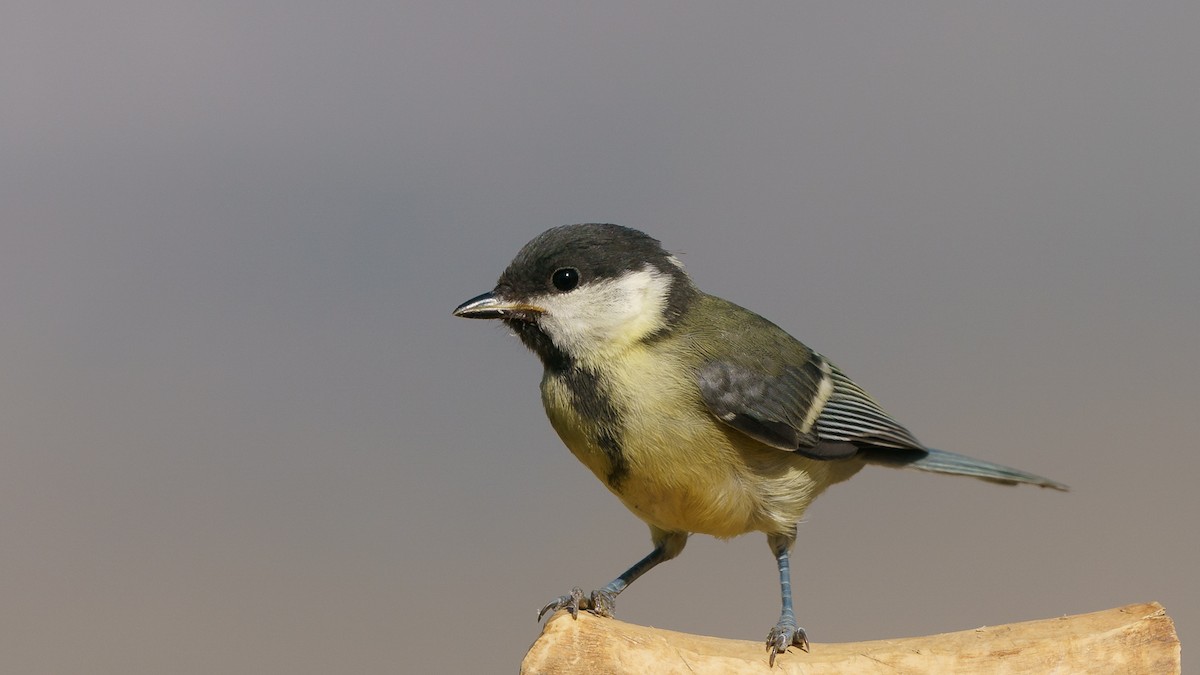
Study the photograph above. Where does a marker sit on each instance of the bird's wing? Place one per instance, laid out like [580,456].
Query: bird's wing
[851,415]
[810,408]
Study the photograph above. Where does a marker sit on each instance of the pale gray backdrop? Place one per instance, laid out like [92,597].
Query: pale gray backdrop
[240,431]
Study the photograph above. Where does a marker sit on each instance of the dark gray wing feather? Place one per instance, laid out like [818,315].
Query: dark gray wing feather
[851,415]
[769,409]
[811,408]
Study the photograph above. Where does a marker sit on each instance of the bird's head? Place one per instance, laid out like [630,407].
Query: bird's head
[584,293]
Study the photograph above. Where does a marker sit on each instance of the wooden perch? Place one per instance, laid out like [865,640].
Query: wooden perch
[1133,639]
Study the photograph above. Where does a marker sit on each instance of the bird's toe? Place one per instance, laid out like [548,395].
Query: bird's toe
[785,634]
[570,602]
[600,603]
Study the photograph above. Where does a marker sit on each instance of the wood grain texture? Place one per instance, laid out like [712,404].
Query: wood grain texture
[1136,638]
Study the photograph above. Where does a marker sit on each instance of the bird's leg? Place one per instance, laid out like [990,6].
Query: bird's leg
[785,633]
[667,545]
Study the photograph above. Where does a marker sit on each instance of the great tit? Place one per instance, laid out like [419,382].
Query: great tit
[699,415]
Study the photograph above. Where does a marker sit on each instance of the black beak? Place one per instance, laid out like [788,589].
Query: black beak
[488,306]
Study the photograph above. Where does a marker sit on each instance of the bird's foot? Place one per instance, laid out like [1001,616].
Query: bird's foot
[785,634]
[600,603]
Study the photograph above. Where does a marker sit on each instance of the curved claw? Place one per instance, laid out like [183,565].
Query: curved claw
[784,635]
[570,602]
[600,603]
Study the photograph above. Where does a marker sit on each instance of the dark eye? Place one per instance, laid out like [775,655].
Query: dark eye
[565,279]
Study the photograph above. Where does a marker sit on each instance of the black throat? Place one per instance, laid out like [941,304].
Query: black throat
[590,396]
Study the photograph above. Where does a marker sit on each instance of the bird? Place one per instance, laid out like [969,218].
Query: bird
[701,416]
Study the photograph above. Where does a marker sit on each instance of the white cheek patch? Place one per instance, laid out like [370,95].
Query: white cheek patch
[603,317]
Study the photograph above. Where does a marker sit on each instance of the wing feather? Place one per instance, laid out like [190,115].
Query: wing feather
[851,415]
[812,408]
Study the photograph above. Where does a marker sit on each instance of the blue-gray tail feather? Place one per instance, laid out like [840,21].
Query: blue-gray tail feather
[941,461]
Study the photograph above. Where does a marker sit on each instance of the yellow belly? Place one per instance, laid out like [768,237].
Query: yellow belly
[721,483]
[687,471]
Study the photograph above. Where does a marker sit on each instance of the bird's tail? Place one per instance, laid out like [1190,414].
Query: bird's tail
[941,461]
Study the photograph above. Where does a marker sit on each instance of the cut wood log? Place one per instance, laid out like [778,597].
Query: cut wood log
[1137,638]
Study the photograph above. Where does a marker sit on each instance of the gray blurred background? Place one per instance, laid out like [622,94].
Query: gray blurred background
[240,431]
